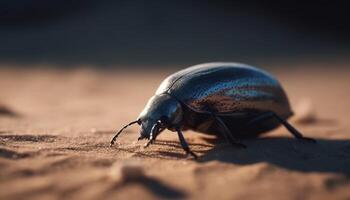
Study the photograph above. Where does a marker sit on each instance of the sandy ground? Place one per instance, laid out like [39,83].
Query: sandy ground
[55,128]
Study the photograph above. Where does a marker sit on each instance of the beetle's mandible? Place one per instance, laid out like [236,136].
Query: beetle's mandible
[232,100]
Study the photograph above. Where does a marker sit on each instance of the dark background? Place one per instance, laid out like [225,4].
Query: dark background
[155,33]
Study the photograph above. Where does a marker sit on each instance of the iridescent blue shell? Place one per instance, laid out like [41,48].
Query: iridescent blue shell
[227,88]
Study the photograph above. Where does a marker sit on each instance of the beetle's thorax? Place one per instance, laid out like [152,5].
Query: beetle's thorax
[162,108]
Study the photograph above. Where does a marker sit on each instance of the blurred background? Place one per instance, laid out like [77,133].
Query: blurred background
[159,33]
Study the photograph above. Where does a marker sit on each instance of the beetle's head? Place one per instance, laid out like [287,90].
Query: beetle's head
[161,111]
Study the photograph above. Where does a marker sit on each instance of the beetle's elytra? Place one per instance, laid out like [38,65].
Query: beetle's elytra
[228,99]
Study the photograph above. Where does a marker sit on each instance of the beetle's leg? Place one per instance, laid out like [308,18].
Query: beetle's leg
[293,130]
[288,126]
[153,134]
[227,133]
[184,144]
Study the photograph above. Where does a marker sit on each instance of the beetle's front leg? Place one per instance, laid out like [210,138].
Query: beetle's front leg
[184,144]
[153,134]
[156,130]
[150,141]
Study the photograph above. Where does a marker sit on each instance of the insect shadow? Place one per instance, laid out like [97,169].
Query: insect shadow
[154,185]
[324,156]
[4,111]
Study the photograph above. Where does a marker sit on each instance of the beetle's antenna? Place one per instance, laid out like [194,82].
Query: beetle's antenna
[121,130]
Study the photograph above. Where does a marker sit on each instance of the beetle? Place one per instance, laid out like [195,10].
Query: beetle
[232,100]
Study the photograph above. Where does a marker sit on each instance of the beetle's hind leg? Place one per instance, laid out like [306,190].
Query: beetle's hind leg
[284,122]
[293,130]
[227,133]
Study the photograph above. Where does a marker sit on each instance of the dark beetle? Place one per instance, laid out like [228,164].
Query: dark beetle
[231,99]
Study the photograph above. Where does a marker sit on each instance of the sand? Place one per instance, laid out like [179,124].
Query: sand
[55,128]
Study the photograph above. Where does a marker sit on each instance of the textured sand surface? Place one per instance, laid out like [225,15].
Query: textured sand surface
[55,128]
